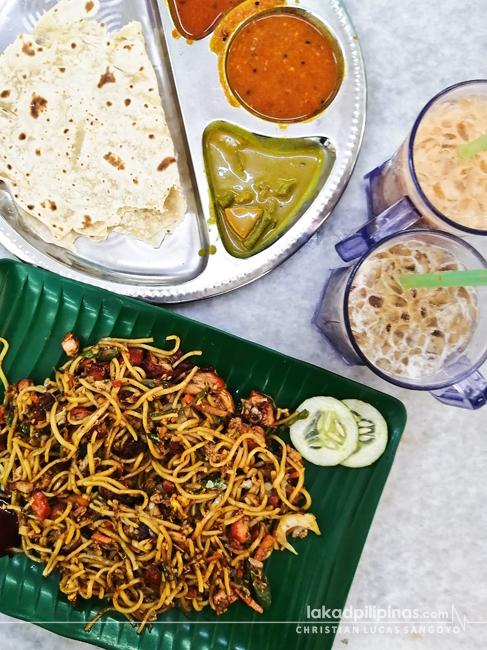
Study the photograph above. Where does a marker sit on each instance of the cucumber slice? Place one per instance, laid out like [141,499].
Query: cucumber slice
[328,435]
[372,434]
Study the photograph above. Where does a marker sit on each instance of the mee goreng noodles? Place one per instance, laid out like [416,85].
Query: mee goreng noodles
[135,475]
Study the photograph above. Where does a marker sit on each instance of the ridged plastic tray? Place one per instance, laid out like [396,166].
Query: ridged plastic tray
[36,310]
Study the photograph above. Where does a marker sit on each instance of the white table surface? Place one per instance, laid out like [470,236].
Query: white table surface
[427,548]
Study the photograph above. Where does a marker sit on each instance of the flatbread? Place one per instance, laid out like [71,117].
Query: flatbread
[84,144]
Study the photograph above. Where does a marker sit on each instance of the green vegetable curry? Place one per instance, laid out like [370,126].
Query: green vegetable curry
[260,186]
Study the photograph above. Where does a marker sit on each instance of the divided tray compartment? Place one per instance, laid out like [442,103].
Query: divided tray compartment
[193,97]
[36,310]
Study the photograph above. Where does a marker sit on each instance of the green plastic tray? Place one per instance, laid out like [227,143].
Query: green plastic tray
[36,309]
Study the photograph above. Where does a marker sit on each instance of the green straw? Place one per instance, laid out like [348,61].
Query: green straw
[447,279]
[472,148]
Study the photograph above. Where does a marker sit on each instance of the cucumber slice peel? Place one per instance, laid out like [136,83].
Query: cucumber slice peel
[373,435]
[328,435]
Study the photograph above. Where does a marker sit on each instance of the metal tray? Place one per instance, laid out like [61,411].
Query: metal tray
[192,98]
[36,310]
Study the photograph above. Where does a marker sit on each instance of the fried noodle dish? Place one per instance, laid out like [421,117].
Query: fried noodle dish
[134,475]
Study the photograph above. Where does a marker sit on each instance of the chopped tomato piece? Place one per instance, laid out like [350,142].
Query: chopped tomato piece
[265,548]
[40,505]
[99,371]
[239,530]
[117,383]
[80,413]
[136,356]
[152,367]
[187,399]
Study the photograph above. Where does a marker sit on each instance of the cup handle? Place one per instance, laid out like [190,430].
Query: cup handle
[398,217]
[470,393]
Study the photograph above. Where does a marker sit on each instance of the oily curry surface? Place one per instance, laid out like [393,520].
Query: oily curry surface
[196,18]
[283,67]
[260,185]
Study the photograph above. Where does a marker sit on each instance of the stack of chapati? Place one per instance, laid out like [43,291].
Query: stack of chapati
[84,144]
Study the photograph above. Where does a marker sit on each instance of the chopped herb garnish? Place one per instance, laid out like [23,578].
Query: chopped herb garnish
[10,419]
[149,383]
[89,353]
[25,428]
[154,436]
[302,415]
[203,393]
[107,354]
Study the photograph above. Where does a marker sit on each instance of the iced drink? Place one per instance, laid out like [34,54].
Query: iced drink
[410,333]
[456,187]
[439,182]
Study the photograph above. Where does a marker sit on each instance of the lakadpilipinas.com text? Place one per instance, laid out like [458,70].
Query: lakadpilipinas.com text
[379,620]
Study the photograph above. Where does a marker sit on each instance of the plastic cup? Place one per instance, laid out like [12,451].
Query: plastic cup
[458,382]
[395,198]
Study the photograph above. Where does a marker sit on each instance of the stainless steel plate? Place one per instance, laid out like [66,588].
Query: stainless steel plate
[193,98]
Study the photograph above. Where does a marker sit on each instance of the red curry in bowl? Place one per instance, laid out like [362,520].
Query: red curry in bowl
[195,19]
[284,67]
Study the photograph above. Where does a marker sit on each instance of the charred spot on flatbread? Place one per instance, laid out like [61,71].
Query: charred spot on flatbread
[31,207]
[128,102]
[89,6]
[22,136]
[165,163]
[114,160]
[87,221]
[28,49]
[4,94]
[38,152]
[38,105]
[52,205]
[62,69]
[106,78]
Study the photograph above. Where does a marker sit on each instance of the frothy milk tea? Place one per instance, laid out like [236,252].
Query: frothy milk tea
[410,333]
[456,187]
